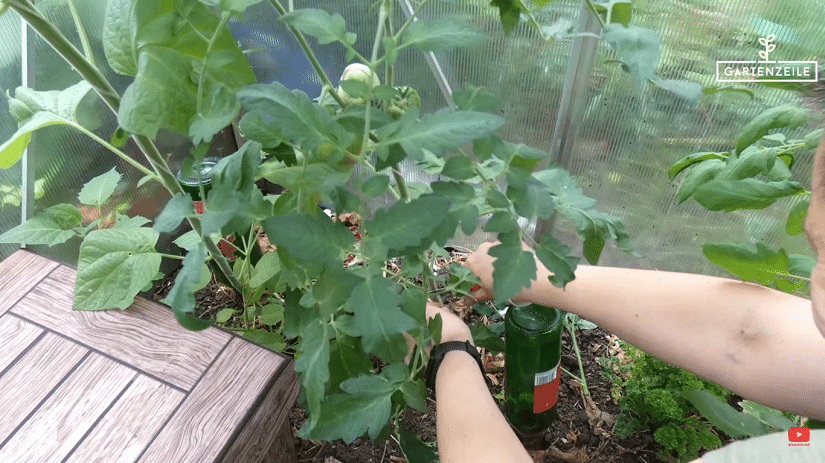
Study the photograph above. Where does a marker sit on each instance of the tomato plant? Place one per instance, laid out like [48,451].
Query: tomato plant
[191,77]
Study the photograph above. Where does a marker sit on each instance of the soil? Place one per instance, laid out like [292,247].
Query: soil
[581,432]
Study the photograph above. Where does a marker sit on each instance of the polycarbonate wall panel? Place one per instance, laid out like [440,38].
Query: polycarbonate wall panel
[10,75]
[628,139]
[63,159]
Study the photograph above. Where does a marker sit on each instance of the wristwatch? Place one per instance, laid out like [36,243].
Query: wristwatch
[440,350]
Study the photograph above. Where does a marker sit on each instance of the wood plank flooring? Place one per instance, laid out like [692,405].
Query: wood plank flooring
[129,386]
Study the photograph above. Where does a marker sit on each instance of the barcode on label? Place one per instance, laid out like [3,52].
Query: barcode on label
[545,377]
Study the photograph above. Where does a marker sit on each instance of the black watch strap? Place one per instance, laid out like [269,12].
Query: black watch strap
[440,350]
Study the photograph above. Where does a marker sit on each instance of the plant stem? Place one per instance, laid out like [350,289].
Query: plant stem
[109,95]
[302,41]
[225,15]
[81,31]
[572,330]
[595,13]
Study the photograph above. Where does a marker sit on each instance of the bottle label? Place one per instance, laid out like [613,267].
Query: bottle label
[546,389]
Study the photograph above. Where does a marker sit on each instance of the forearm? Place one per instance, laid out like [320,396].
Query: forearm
[755,341]
[469,424]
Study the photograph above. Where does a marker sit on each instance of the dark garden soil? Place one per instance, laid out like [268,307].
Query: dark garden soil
[581,432]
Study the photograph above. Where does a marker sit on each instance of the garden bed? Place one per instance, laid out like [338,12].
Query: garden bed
[582,431]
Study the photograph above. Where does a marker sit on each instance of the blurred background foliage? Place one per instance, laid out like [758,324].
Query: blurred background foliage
[622,146]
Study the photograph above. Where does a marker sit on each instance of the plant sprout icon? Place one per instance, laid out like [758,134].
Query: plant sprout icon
[769,47]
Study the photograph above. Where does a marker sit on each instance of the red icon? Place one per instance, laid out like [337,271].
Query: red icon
[799,434]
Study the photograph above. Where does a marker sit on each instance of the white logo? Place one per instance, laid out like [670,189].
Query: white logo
[767,70]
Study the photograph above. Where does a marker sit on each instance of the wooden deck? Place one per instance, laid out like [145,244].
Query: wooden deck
[129,386]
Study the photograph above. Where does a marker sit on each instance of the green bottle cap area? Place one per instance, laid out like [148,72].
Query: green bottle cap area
[535,318]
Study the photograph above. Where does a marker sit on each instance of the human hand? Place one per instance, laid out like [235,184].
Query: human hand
[481,264]
[452,329]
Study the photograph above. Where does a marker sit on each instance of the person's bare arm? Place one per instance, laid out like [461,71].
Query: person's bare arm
[815,231]
[760,343]
[470,428]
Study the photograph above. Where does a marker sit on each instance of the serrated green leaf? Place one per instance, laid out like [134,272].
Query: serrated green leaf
[53,226]
[97,190]
[414,449]
[174,62]
[181,298]
[46,108]
[620,12]
[415,395]
[761,266]
[472,98]
[437,132]
[378,318]
[748,193]
[224,315]
[144,110]
[354,88]
[483,337]
[267,268]
[528,195]
[333,288]
[375,186]
[724,417]
[789,115]
[408,225]
[458,167]
[469,219]
[637,48]
[290,115]
[323,26]
[513,268]
[573,204]
[218,109]
[509,12]
[175,210]
[770,416]
[686,90]
[124,221]
[349,417]
[496,198]
[555,257]
[114,265]
[693,159]
[501,222]
[266,338]
[272,313]
[117,37]
[309,238]
[796,218]
[189,240]
[347,359]
[442,35]
[312,365]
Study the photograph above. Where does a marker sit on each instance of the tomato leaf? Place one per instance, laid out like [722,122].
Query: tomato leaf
[442,35]
[114,265]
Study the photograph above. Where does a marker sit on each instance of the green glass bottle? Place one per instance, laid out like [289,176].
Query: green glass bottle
[193,183]
[533,352]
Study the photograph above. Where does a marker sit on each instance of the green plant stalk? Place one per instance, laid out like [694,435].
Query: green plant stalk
[302,41]
[109,95]
[209,44]
[582,379]
[81,31]
[596,13]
